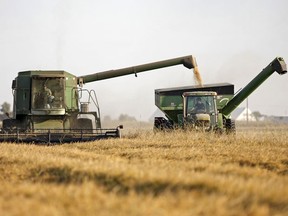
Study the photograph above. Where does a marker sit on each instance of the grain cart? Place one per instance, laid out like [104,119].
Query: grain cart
[207,107]
[51,106]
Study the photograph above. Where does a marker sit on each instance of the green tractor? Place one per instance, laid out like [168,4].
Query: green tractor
[207,107]
[53,106]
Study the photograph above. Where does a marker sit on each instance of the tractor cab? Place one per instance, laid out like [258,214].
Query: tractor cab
[200,110]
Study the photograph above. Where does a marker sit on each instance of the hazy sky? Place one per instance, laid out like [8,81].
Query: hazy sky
[231,40]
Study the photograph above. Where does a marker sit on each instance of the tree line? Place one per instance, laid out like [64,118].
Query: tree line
[5,108]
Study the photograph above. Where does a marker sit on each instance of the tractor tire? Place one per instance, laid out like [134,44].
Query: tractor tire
[162,124]
[230,126]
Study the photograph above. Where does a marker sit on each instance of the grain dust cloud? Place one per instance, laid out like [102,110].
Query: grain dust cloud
[197,75]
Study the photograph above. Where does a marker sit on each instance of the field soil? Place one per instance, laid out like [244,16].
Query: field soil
[147,173]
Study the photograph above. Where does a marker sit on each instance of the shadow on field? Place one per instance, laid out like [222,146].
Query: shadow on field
[115,183]
[270,166]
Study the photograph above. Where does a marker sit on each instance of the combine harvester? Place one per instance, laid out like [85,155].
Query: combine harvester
[207,107]
[51,106]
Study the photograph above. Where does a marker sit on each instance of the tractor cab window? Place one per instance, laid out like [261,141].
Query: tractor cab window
[200,104]
[47,93]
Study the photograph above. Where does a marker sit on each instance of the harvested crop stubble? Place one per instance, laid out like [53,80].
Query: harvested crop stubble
[149,174]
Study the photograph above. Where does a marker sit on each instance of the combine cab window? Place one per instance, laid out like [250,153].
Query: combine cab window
[47,93]
[201,104]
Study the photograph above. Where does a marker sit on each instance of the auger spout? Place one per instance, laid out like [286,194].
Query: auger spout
[277,65]
[188,61]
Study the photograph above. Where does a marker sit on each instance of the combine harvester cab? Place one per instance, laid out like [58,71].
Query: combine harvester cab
[51,106]
[207,107]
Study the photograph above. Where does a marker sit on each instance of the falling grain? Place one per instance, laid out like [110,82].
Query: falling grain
[197,75]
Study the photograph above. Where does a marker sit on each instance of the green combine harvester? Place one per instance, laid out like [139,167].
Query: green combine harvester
[207,107]
[53,106]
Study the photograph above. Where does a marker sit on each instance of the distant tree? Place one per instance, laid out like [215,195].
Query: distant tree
[257,115]
[125,117]
[5,107]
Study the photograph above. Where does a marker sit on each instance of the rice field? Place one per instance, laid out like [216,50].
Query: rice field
[150,174]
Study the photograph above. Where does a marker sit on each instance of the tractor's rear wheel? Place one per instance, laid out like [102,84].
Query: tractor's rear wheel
[230,126]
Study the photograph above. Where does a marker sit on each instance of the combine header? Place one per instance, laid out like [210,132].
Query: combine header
[53,107]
